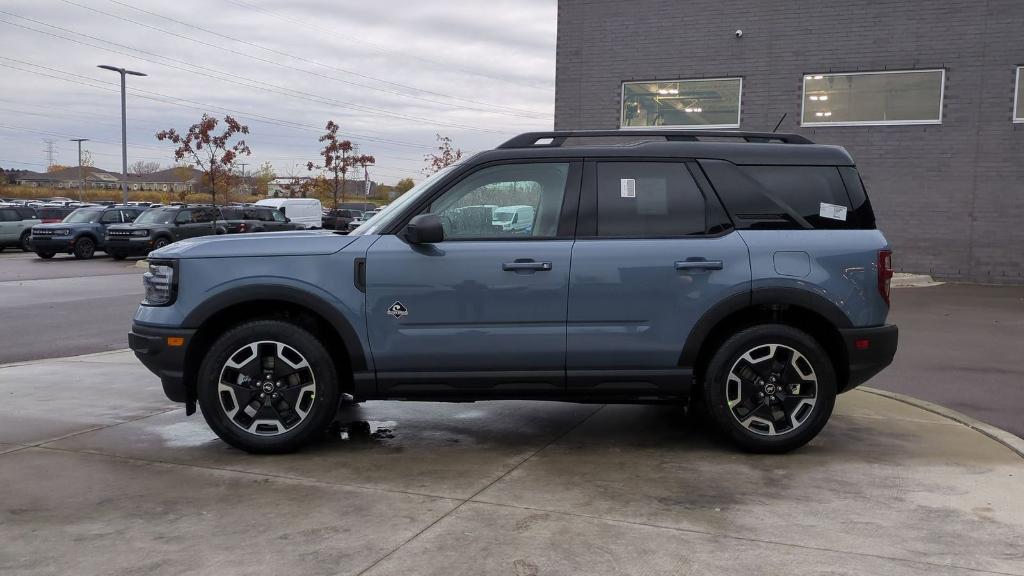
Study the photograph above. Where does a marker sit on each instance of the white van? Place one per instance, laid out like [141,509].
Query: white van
[513,218]
[306,212]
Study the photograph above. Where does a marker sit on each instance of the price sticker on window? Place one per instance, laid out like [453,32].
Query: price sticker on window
[627,187]
[832,211]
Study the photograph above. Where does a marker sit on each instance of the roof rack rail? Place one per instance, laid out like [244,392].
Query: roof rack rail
[557,138]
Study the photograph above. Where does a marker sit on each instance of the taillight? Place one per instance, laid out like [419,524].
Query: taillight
[884,274]
[241,227]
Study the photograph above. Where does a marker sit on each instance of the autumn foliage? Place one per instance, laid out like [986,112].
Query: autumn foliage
[212,153]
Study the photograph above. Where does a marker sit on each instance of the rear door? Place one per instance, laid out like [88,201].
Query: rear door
[484,310]
[9,225]
[653,253]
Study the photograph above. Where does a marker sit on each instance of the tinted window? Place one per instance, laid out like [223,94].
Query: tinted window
[131,215]
[468,209]
[648,199]
[9,215]
[811,191]
[185,217]
[111,216]
[278,217]
[265,215]
[205,215]
[232,213]
[26,213]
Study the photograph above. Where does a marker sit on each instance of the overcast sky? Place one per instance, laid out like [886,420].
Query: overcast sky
[391,73]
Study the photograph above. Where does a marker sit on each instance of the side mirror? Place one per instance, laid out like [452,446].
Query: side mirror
[424,229]
[287,219]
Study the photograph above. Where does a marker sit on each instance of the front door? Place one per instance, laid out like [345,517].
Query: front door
[652,255]
[483,311]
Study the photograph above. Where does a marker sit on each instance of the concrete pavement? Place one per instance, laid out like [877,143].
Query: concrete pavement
[101,475]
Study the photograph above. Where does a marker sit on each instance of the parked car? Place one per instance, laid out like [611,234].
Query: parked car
[240,219]
[339,219]
[158,227]
[304,212]
[745,275]
[358,220]
[81,233]
[16,223]
[52,214]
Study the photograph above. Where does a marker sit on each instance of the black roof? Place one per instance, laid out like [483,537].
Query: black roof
[750,148]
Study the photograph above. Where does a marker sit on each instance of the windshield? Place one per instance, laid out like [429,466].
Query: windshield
[157,216]
[83,215]
[374,222]
[502,216]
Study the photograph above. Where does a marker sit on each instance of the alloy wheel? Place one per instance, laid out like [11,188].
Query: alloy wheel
[771,389]
[266,388]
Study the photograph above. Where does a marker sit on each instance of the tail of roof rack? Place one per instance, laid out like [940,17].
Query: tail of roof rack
[557,138]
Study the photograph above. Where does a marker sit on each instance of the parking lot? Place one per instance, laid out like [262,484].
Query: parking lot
[100,474]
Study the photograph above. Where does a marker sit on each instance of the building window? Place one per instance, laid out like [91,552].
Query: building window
[707,103]
[873,98]
[1018,97]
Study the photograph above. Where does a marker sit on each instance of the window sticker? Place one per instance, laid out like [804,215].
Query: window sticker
[832,211]
[627,187]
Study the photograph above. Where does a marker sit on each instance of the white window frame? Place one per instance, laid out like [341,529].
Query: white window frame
[1017,97]
[622,110]
[942,99]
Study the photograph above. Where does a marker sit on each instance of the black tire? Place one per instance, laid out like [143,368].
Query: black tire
[761,435]
[24,243]
[319,414]
[45,255]
[84,248]
[117,255]
[160,243]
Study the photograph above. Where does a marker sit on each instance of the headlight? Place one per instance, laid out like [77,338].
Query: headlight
[161,283]
[140,232]
[62,232]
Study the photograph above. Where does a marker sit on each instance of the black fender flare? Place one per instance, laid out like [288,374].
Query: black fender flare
[797,297]
[242,294]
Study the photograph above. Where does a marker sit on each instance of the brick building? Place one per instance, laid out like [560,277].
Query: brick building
[926,95]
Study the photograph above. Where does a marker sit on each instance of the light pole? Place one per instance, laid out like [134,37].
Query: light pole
[124,130]
[81,179]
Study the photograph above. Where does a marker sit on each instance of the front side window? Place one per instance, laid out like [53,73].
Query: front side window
[110,217]
[476,206]
[185,217]
[1018,97]
[157,216]
[706,103]
[83,216]
[648,200]
[277,216]
[873,98]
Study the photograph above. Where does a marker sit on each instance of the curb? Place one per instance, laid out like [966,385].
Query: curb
[1011,441]
[904,280]
[63,358]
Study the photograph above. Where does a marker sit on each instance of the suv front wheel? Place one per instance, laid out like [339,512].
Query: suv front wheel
[267,386]
[770,388]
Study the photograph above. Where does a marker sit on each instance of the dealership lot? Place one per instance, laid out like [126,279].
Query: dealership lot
[107,477]
[100,474]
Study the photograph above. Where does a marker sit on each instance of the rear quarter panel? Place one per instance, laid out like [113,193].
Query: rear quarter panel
[839,265]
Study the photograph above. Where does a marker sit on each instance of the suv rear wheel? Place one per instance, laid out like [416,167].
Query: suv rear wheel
[771,388]
[26,246]
[267,386]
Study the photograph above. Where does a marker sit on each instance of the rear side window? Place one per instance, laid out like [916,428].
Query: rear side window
[9,215]
[648,200]
[786,197]
[26,213]
[232,213]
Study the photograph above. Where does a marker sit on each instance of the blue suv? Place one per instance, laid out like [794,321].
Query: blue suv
[81,233]
[737,271]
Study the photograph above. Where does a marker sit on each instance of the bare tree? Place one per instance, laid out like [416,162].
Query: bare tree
[213,154]
[446,155]
[141,167]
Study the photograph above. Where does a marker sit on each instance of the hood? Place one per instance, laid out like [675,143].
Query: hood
[63,225]
[295,243]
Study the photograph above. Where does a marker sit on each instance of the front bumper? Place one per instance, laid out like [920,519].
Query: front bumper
[130,246]
[869,351]
[152,347]
[56,244]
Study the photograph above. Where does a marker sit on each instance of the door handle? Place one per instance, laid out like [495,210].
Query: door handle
[526,265]
[698,265]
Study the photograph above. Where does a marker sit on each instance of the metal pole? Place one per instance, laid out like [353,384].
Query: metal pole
[81,178]
[124,145]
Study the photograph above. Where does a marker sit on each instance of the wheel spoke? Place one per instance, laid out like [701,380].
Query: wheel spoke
[771,389]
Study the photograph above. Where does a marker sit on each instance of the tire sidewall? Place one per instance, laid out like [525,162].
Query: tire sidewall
[327,393]
[722,362]
[160,243]
[24,242]
[79,250]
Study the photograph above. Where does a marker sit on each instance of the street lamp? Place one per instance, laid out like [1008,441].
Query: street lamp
[124,130]
[81,179]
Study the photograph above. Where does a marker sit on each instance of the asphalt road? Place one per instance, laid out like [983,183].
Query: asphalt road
[961,346]
[63,307]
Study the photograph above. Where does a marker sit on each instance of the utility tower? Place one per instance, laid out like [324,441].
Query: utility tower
[51,152]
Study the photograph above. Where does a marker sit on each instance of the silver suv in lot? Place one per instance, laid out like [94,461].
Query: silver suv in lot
[738,271]
[16,224]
